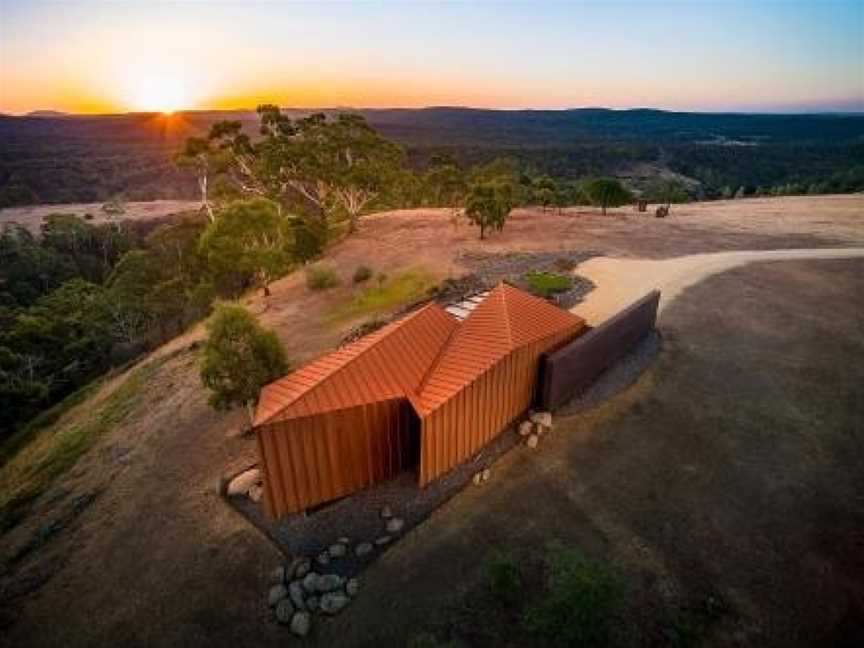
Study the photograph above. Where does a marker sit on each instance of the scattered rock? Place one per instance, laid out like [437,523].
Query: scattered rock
[255,492]
[525,428]
[531,441]
[295,593]
[386,513]
[337,550]
[383,540]
[323,558]
[478,477]
[362,549]
[486,474]
[302,567]
[352,587]
[310,582]
[333,602]
[312,603]
[300,624]
[394,525]
[539,429]
[284,611]
[543,418]
[276,594]
[277,576]
[328,582]
[241,484]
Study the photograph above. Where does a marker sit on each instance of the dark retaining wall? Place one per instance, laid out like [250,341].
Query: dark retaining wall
[571,369]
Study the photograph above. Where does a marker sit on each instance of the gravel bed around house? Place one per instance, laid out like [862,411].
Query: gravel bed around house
[358,517]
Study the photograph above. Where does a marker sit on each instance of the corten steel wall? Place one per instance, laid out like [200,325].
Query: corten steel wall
[479,412]
[313,459]
[572,368]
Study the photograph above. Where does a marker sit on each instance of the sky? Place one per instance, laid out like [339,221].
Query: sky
[127,55]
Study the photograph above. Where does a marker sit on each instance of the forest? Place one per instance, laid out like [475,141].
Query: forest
[57,159]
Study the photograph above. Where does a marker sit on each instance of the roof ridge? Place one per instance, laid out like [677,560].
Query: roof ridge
[349,361]
[506,304]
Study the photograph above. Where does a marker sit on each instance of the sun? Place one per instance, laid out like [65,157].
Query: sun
[163,93]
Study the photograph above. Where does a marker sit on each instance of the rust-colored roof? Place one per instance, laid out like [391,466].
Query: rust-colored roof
[389,363]
[503,322]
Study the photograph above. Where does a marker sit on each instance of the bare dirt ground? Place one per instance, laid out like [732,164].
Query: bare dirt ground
[157,558]
[736,481]
[31,216]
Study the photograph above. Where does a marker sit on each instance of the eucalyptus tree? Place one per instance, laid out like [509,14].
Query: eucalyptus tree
[488,205]
[607,192]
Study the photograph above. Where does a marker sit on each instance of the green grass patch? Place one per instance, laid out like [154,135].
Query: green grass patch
[390,292]
[546,284]
[503,577]
[579,606]
[51,449]
[321,277]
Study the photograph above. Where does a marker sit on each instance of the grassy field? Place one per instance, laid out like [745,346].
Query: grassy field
[44,450]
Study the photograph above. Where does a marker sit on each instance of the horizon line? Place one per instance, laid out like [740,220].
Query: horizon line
[48,112]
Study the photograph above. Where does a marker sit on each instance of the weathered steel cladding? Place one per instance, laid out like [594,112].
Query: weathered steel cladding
[574,367]
[475,415]
[314,459]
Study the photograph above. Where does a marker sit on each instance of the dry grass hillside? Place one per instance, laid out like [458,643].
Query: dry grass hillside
[132,545]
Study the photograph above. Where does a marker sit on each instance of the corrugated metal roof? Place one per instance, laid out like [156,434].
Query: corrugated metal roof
[504,321]
[388,363]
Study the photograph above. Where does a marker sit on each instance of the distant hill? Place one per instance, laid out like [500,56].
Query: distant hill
[46,157]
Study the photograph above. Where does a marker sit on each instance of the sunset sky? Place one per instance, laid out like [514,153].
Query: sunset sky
[133,55]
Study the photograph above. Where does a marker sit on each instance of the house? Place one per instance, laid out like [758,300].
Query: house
[424,393]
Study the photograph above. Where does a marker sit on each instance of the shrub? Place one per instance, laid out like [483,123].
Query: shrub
[502,576]
[578,607]
[546,284]
[321,278]
[362,273]
[239,358]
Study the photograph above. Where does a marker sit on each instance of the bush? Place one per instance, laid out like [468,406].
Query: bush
[546,284]
[362,273]
[503,578]
[582,597]
[321,278]
[239,358]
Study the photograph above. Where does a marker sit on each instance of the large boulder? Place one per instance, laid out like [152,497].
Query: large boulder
[310,582]
[363,549]
[329,582]
[300,623]
[333,602]
[295,593]
[543,418]
[284,611]
[352,587]
[394,525]
[241,484]
[276,594]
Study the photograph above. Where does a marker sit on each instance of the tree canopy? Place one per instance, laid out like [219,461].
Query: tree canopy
[607,192]
[488,206]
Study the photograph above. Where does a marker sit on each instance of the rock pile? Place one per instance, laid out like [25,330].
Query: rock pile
[296,593]
[538,423]
[297,590]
